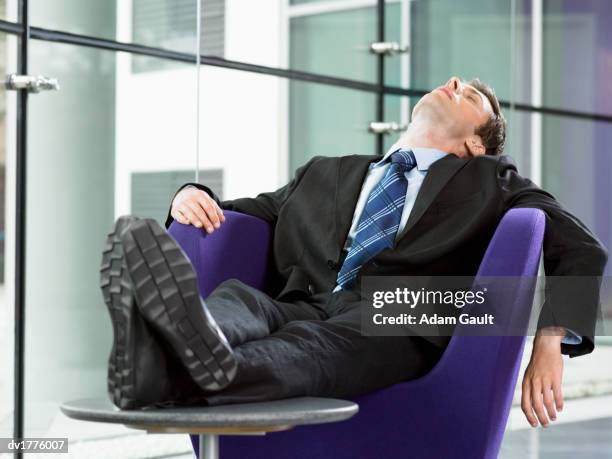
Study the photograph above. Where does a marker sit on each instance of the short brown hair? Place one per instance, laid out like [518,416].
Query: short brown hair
[493,132]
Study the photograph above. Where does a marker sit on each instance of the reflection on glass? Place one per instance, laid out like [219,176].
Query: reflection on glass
[90,156]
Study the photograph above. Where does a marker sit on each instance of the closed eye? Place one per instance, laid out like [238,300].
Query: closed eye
[471,95]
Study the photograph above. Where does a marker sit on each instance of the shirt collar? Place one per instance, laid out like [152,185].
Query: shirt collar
[425,157]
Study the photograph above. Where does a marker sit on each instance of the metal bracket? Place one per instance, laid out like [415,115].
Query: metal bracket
[388,48]
[381,127]
[34,84]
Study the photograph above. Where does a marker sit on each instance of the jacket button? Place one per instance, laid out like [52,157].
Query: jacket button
[331,264]
[311,289]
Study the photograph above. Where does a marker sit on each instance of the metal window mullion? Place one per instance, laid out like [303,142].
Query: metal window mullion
[20,227]
[537,27]
[380,72]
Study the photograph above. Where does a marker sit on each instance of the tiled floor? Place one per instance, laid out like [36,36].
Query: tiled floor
[586,439]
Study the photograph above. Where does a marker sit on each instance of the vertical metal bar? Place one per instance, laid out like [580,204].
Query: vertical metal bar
[209,446]
[405,59]
[198,67]
[380,62]
[537,31]
[20,225]
[513,65]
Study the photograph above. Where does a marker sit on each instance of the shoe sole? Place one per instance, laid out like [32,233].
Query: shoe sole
[117,292]
[166,289]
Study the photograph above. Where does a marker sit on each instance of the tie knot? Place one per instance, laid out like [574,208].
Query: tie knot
[404,158]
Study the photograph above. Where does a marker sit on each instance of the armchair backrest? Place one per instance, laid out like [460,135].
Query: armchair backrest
[479,373]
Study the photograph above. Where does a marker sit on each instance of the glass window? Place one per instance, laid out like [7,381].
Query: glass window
[577,41]
[334,42]
[329,121]
[89,147]
[85,17]
[8,10]
[576,169]
[250,119]
[156,23]
[469,39]
[7,245]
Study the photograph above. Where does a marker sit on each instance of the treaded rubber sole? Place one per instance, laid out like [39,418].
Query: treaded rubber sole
[166,289]
[117,292]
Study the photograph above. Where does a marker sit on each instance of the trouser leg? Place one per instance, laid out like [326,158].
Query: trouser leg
[244,313]
[328,358]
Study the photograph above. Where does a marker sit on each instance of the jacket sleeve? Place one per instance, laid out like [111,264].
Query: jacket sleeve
[574,260]
[265,205]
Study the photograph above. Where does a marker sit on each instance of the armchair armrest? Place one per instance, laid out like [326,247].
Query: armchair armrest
[237,250]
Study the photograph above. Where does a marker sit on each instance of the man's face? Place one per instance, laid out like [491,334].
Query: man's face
[457,108]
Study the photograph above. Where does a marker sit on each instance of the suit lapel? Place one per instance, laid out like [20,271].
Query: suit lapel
[352,171]
[440,172]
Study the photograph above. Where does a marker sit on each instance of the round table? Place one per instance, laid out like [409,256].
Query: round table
[211,421]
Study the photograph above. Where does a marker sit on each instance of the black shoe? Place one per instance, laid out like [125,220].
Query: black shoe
[140,371]
[167,295]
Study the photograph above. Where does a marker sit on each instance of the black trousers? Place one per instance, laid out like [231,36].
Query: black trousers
[308,348]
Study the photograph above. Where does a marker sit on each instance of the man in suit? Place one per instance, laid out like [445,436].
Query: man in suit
[427,208]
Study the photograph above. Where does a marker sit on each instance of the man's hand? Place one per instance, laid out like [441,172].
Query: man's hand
[194,206]
[542,378]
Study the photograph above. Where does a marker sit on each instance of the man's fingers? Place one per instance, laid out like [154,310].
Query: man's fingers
[219,213]
[208,205]
[558,394]
[179,217]
[526,403]
[200,217]
[536,401]
[189,214]
[548,400]
[197,208]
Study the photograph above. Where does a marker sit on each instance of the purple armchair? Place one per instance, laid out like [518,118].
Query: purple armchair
[459,409]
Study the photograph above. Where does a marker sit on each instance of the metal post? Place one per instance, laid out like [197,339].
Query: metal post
[209,446]
[380,63]
[20,233]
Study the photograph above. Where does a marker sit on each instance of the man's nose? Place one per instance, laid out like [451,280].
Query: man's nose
[454,84]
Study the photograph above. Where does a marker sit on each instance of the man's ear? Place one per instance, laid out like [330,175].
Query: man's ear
[474,145]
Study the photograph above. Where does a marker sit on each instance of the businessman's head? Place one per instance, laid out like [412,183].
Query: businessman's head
[466,114]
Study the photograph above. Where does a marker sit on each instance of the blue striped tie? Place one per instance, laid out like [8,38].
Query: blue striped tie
[380,218]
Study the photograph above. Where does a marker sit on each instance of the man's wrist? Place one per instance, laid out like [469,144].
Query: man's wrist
[550,336]
[552,330]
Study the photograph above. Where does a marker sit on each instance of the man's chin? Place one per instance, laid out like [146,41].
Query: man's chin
[431,110]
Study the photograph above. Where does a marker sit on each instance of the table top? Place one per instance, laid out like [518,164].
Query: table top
[249,416]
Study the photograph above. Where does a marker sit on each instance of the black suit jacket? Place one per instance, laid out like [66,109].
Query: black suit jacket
[457,210]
